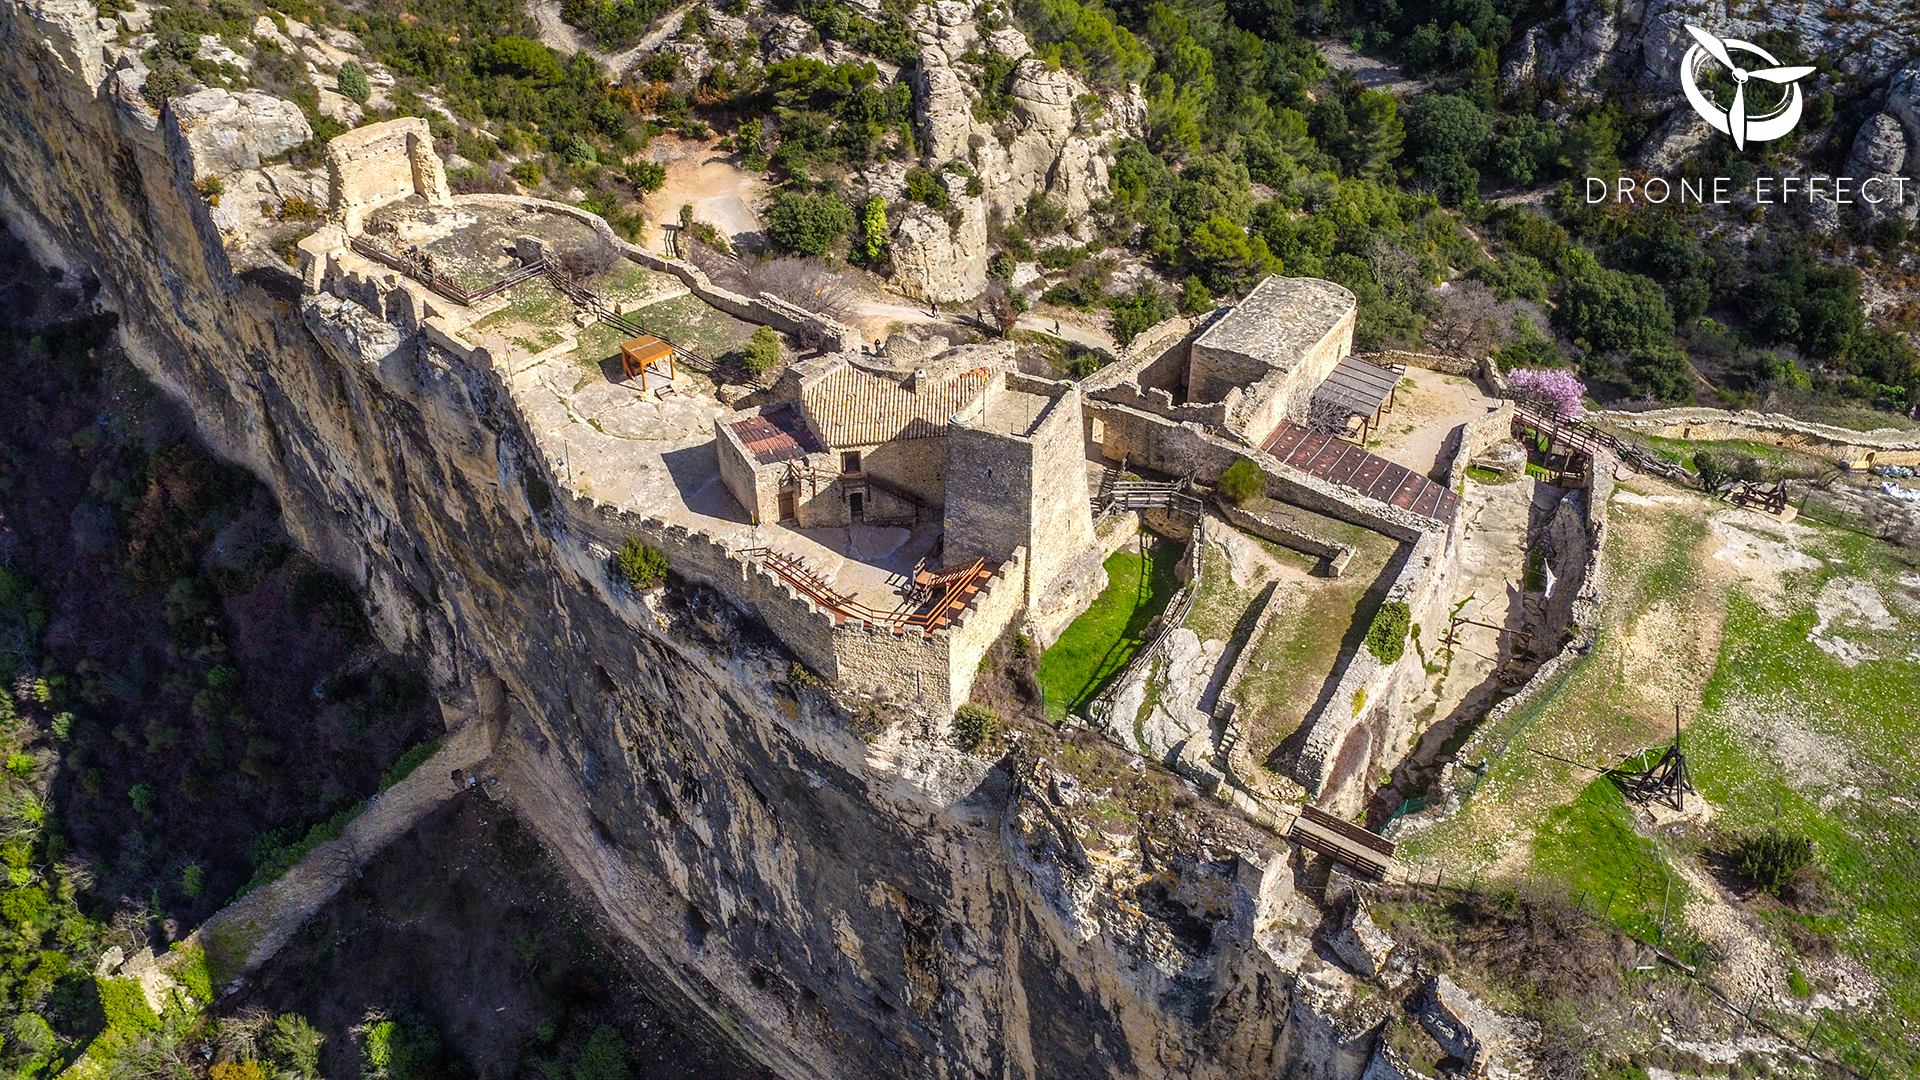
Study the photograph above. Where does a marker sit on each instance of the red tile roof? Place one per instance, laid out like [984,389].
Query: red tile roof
[1340,462]
[852,407]
[779,434]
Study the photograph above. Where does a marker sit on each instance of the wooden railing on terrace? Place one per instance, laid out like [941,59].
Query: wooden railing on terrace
[951,597]
[425,274]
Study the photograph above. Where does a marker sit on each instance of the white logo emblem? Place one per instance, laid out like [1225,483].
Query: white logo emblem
[1734,120]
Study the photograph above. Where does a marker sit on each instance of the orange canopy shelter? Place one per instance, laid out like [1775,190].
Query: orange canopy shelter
[645,352]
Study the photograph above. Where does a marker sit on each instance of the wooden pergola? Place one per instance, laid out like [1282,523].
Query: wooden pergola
[644,352]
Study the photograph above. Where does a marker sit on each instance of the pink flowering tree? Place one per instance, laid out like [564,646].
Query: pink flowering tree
[1556,392]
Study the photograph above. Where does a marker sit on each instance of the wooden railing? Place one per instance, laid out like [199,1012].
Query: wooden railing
[439,284]
[950,599]
[1589,440]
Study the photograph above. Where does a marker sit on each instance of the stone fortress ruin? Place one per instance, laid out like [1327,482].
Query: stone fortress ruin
[890,512]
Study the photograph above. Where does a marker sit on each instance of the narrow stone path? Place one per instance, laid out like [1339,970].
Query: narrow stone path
[247,932]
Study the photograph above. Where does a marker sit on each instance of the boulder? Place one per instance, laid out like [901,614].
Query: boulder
[225,132]
[338,106]
[935,261]
[1008,41]
[1881,150]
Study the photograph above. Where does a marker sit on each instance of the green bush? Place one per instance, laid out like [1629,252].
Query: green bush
[642,565]
[1241,483]
[808,224]
[1771,858]
[761,353]
[973,725]
[353,82]
[1387,636]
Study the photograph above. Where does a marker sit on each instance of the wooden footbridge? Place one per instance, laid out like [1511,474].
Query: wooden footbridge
[1560,436]
[1368,854]
[1117,495]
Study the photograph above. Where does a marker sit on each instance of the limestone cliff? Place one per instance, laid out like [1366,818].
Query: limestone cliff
[841,909]
[1630,52]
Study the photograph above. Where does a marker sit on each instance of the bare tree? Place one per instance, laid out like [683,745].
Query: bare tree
[998,303]
[1468,320]
[805,282]
[583,258]
[1396,269]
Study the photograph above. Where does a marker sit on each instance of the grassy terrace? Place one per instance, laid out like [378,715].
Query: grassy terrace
[1298,649]
[1745,626]
[1098,644]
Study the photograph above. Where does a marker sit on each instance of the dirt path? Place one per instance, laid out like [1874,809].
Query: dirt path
[567,38]
[1428,408]
[1371,73]
[707,178]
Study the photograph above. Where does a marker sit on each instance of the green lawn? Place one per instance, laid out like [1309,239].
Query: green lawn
[1100,642]
[689,322]
[1592,845]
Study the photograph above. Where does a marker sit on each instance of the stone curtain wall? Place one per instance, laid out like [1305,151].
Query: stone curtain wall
[1445,365]
[1887,446]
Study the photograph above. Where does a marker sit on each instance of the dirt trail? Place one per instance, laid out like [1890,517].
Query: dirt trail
[557,33]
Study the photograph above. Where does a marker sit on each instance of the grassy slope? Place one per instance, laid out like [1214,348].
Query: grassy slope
[1101,641]
[1540,816]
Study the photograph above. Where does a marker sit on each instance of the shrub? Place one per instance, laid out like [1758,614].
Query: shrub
[353,82]
[973,725]
[295,1044]
[1241,483]
[1771,858]
[605,1057]
[642,565]
[808,224]
[1387,636]
[761,353]
[646,176]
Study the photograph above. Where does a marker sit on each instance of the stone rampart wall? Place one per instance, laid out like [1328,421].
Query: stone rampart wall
[1885,446]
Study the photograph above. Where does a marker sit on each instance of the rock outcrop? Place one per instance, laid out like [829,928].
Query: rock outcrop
[224,132]
[1044,144]
[838,908]
[1638,44]
[1880,151]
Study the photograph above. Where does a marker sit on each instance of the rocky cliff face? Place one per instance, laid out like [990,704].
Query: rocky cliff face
[839,908]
